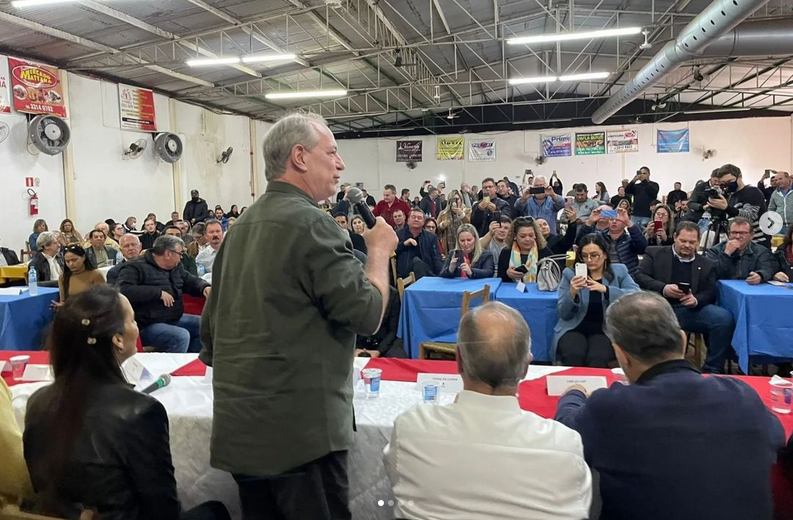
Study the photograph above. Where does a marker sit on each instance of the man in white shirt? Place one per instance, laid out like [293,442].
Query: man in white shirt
[483,458]
[214,235]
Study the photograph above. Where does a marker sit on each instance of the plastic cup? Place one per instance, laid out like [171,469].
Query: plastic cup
[18,364]
[781,395]
[371,379]
[430,393]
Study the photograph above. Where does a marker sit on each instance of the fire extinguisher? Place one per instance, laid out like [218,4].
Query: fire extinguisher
[33,205]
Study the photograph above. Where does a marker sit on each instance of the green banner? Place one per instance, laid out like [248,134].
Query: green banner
[590,143]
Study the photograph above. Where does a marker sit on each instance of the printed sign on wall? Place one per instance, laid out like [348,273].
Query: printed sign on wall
[137,109]
[622,141]
[450,148]
[5,87]
[36,88]
[408,151]
[556,145]
[673,141]
[590,143]
[482,150]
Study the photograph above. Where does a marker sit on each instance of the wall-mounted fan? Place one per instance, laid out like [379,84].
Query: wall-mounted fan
[169,147]
[226,155]
[411,165]
[540,159]
[707,154]
[136,149]
[49,134]
[5,131]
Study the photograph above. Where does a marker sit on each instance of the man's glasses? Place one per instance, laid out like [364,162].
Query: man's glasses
[739,233]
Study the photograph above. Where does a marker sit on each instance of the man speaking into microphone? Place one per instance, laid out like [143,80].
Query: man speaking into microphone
[288,298]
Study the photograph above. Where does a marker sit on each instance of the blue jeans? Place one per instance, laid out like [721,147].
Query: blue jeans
[181,337]
[717,325]
[641,221]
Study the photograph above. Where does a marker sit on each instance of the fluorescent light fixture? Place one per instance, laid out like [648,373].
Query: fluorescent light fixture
[203,62]
[719,110]
[527,81]
[34,3]
[262,58]
[585,76]
[306,94]
[563,37]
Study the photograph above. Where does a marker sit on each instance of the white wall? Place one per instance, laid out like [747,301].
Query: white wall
[106,185]
[16,163]
[206,135]
[752,144]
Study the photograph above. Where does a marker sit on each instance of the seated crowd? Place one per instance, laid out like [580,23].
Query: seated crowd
[609,455]
[628,242]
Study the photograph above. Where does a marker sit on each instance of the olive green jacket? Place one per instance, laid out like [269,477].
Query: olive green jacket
[288,298]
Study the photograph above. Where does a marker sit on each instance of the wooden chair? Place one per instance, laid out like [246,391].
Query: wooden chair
[393,268]
[697,342]
[403,283]
[449,350]
[25,253]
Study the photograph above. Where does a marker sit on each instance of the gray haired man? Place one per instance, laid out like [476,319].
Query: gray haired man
[671,425]
[281,333]
[449,462]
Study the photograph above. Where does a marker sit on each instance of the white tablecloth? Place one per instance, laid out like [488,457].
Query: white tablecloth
[188,401]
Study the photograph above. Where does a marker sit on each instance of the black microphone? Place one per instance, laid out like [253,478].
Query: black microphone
[162,381]
[355,196]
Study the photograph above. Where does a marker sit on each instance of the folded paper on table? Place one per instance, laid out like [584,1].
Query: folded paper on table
[538,371]
[447,383]
[35,373]
[557,385]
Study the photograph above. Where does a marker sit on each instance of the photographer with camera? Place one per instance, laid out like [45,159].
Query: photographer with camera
[739,200]
[540,201]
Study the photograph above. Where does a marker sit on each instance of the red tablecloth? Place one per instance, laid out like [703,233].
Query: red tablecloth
[532,395]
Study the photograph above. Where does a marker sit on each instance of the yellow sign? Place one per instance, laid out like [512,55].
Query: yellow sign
[450,148]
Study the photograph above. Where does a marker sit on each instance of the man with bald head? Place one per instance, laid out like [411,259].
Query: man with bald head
[130,248]
[461,460]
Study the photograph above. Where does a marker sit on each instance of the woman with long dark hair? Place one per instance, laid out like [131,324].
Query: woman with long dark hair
[91,441]
[601,194]
[80,272]
[579,340]
[525,248]
[69,235]
[233,212]
[665,234]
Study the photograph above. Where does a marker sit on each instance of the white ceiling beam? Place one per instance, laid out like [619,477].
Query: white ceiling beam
[443,17]
[79,40]
[140,24]
[247,30]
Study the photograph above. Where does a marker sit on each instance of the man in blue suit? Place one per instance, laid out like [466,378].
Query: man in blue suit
[672,444]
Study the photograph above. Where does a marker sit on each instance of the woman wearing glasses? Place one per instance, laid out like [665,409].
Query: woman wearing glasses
[468,260]
[578,339]
[526,247]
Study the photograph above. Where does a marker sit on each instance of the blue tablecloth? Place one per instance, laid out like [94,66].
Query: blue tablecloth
[431,309]
[763,319]
[538,308]
[24,317]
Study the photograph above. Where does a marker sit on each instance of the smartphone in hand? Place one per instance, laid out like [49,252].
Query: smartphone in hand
[581,270]
[658,225]
[609,213]
[522,269]
[684,287]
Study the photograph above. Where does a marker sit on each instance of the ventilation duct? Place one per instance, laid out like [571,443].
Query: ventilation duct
[715,21]
[755,38]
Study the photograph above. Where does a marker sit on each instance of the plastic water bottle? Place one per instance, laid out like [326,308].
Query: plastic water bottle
[33,285]
[201,269]
[704,223]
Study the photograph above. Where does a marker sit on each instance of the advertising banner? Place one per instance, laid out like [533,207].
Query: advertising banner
[556,145]
[590,143]
[482,150]
[137,109]
[408,151]
[622,141]
[673,141]
[5,87]
[450,148]
[36,88]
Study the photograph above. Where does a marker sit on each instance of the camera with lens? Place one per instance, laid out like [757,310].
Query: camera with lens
[714,192]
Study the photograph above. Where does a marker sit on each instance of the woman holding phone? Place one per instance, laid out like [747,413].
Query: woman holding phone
[454,215]
[578,339]
[468,260]
[525,248]
[660,230]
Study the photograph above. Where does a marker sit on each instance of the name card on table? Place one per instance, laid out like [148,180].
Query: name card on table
[521,287]
[134,371]
[35,373]
[447,383]
[557,385]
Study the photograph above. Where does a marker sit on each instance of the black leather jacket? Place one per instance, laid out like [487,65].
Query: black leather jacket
[121,460]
